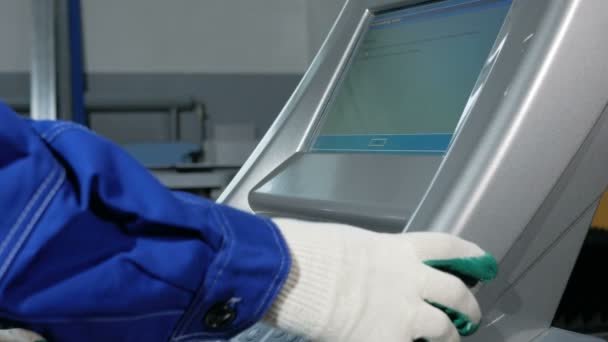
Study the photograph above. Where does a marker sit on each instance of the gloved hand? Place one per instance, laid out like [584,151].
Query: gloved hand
[19,335]
[349,285]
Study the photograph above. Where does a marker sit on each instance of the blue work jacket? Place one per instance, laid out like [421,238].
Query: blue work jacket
[94,248]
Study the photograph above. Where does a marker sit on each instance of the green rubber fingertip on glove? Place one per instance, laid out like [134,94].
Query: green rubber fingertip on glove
[463,324]
[471,271]
[483,268]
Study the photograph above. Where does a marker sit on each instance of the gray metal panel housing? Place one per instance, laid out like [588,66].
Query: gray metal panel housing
[526,167]
[338,187]
[557,335]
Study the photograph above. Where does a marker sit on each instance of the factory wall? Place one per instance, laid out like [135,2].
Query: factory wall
[321,15]
[212,36]
[186,36]
[15,36]
[193,36]
[243,58]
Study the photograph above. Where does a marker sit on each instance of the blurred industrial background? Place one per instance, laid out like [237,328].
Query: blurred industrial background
[584,305]
[188,87]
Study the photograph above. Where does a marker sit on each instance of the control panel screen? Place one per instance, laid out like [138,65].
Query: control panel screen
[409,80]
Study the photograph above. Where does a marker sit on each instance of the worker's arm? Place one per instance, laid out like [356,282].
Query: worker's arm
[93,248]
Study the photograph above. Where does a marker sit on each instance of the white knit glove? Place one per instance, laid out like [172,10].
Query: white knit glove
[19,335]
[349,285]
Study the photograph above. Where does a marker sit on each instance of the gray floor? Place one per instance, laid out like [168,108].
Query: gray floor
[603,336]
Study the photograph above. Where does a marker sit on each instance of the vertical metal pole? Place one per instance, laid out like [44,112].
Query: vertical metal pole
[174,124]
[199,111]
[63,60]
[43,83]
[77,71]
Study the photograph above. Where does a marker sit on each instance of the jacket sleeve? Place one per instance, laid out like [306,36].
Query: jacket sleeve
[93,248]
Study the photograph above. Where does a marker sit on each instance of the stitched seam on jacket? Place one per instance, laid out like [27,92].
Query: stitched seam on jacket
[226,227]
[195,311]
[229,236]
[64,129]
[194,336]
[57,129]
[32,222]
[27,209]
[44,135]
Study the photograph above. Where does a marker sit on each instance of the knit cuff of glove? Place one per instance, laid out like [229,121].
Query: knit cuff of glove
[307,300]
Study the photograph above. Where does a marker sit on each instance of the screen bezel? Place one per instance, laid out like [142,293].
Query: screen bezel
[270,196]
[367,19]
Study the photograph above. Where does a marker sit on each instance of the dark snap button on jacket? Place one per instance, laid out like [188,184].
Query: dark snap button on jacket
[220,315]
